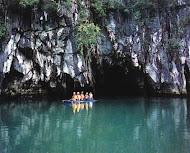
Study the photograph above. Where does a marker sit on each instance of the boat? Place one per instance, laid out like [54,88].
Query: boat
[68,102]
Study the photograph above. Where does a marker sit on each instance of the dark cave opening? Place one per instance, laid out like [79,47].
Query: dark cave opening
[187,77]
[10,77]
[116,81]
[64,87]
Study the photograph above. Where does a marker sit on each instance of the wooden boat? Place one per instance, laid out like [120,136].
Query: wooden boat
[68,102]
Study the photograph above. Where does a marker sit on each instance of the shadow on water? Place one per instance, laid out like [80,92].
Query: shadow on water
[135,125]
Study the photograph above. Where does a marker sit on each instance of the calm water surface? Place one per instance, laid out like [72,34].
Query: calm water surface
[110,126]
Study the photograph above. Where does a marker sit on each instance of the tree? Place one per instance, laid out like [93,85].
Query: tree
[87,34]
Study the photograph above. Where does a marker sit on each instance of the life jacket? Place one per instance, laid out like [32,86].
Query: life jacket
[82,96]
[86,96]
[74,98]
[78,97]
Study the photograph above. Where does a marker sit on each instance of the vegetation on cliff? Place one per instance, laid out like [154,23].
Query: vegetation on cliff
[3,31]
[87,34]
[26,3]
[100,10]
[137,33]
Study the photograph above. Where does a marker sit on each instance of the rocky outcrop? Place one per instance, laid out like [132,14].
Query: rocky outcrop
[42,48]
[148,53]
[159,46]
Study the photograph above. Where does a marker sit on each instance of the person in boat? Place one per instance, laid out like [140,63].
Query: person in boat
[78,96]
[86,96]
[82,96]
[90,96]
[74,97]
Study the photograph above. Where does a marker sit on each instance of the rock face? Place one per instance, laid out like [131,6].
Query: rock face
[41,48]
[40,52]
[159,46]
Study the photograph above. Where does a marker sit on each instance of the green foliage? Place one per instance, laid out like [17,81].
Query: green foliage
[52,5]
[118,4]
[107,4]
[99,12]
[3,31]
[82,15]
[87,34]
[98,9]
[113,4]
[126,10]
[101,8]
[141,8]
[172,3]
[137,8]
[174,44]
[67,4]
[137,15]
[27,3]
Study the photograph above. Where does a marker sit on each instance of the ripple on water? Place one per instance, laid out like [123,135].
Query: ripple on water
[127,125]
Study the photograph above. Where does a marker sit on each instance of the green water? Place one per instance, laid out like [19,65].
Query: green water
[110,126]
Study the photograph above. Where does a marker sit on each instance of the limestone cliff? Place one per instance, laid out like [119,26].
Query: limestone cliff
[150,52]
[40,48]
[157,44]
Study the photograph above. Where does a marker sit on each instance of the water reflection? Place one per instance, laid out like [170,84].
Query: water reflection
[132,125]
[81,106]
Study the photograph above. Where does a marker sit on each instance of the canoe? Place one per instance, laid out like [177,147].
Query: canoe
[75,102]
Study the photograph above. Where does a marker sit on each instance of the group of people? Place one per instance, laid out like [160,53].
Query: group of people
[79,97]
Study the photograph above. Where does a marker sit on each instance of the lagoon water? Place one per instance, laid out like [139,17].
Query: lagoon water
[136,125]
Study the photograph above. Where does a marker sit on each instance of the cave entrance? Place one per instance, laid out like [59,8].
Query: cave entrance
[13,75]
[187,77]
[115,81]
[64,87]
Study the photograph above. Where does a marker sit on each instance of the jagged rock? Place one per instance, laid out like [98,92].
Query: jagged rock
[43,49]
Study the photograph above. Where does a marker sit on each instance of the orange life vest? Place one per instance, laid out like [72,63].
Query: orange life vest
[82,96]
[86,96]
[74,98]
[78,97]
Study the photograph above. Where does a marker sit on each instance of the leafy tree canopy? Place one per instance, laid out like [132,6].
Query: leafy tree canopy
[26,3]
[87,34]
